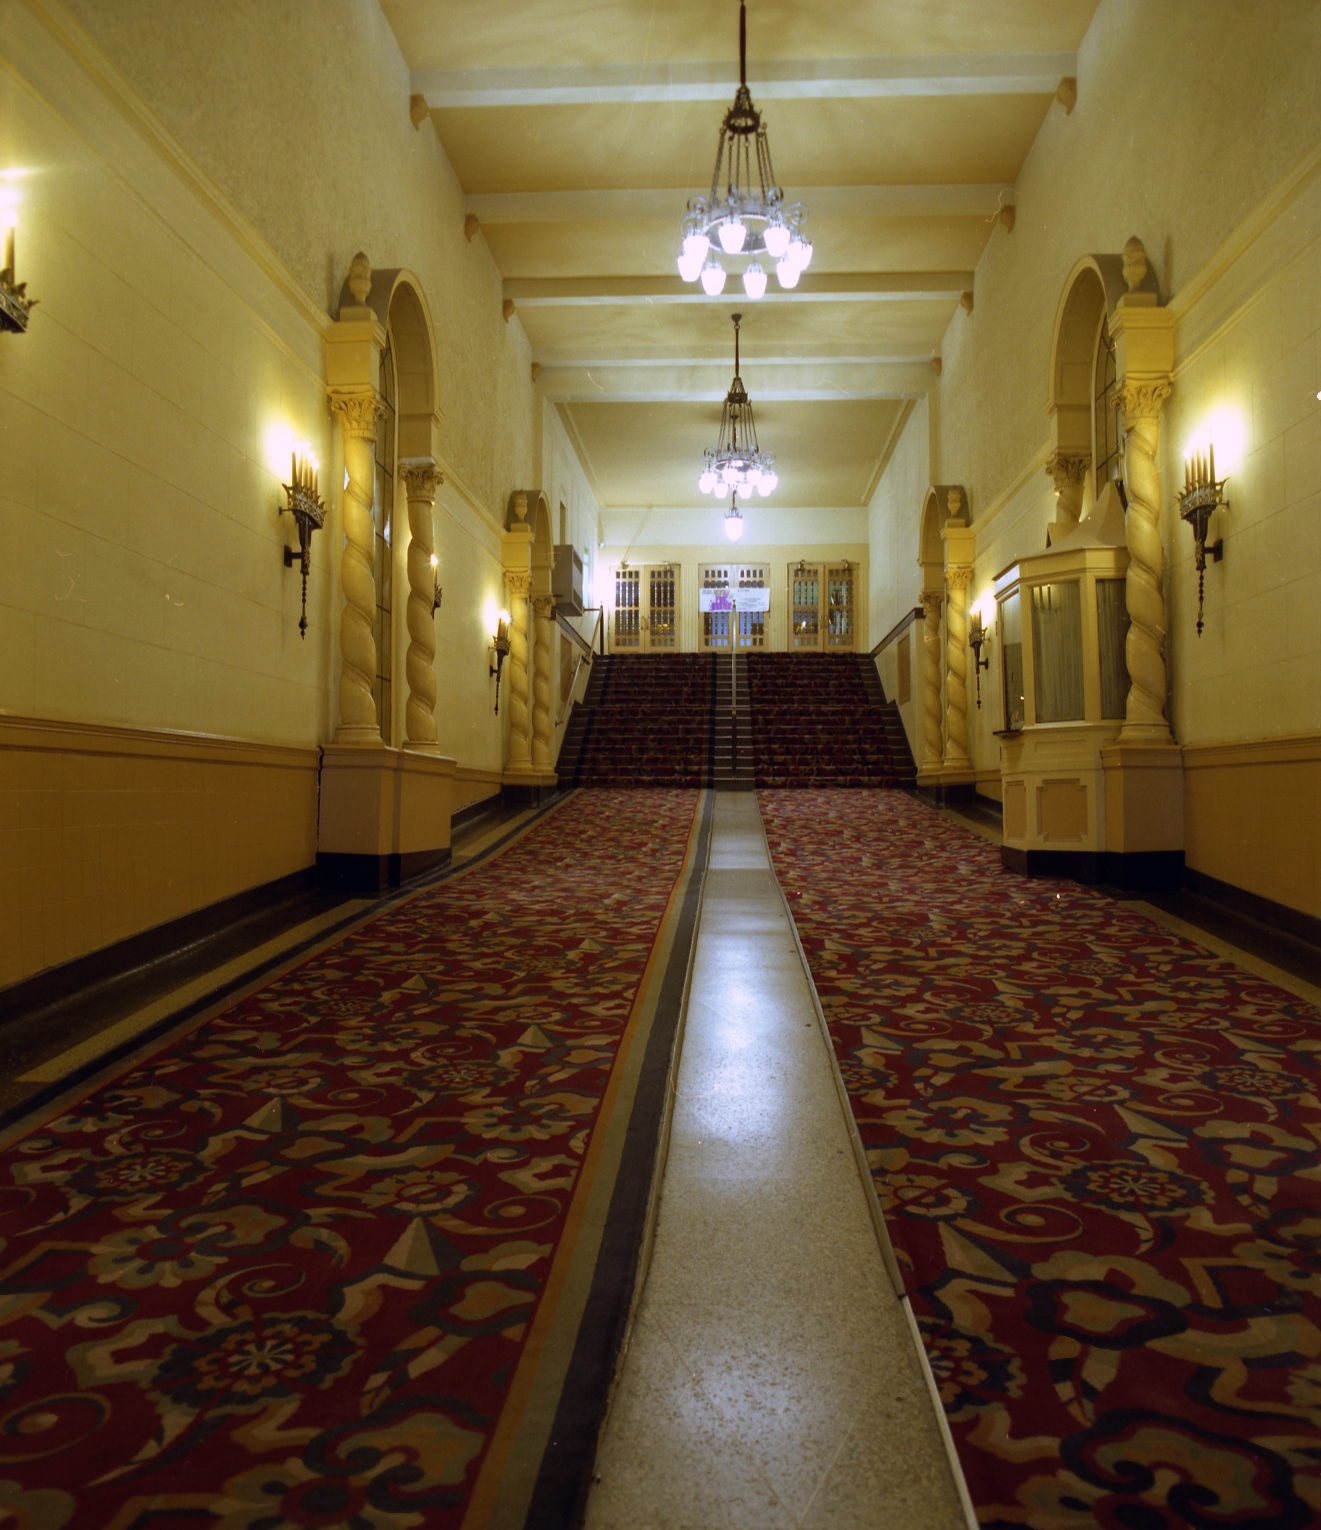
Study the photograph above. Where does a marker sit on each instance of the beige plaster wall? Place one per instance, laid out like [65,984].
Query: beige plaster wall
[1219,178]
[351,172]
[1187,115]
[106,831]
[893,518]
[1248,367]
[186,277]
[1252,817]
[143,427]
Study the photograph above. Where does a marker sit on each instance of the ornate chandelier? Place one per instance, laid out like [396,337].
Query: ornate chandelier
[745,221]
[736,462]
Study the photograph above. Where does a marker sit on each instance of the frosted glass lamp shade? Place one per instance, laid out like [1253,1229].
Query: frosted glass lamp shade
[732,234]
[754,281]
[713,277]
[777,239]
[695,246]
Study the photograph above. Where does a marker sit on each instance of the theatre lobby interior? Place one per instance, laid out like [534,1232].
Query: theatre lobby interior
[660,765]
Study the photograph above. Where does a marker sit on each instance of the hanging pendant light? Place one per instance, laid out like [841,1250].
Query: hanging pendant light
[733,520]
[743,220]
[736,463]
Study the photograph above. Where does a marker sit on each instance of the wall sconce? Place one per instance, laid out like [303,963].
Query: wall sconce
[306,508]
[1201,496]
[436,591]
[15,305]
[499,650]
[979,637]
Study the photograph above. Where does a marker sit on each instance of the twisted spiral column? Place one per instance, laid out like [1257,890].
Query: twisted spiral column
[1144,718]
[421,480]
[542,607]
[933,750]
[956,667]
[519,584]
[358,722]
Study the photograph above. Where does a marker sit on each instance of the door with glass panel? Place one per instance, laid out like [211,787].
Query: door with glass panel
[821,606]
[804,606]
[838,613]
[742,630]
[627,634]
[646,609]
[660,622]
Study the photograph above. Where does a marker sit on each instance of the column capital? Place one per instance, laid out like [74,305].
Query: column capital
[359,411]
[1143,398]
[958,578]
[1068,468]
[519,581]
[421,477]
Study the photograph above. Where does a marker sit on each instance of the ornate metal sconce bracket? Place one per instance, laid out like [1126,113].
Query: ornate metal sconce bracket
[310,514]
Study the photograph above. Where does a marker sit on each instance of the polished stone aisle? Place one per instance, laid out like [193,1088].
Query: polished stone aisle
[771,1380]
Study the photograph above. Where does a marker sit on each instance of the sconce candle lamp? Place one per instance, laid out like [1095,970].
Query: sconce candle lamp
[15,305]
[1202,494]
[499,652]
[979,637]
[307,510]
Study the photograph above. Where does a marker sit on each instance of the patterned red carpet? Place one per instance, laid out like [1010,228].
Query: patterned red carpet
[348,1253]
[1098,1150]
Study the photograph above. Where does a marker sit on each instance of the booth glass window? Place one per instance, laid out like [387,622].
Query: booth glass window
[1057,651]
[1111,635]
[1011,646]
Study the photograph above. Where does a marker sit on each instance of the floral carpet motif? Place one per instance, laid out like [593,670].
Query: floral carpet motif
[1098,1152]
[294,1269]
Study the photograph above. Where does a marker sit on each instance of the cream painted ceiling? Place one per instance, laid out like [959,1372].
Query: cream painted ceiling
[578,130]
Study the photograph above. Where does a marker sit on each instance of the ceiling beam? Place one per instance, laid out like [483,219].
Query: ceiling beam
[950,74]
[825,287]
[809,380]
[983,200]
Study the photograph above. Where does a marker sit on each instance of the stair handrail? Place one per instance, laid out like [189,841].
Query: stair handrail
[586,653]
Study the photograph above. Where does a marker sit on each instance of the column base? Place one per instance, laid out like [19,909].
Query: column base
[529,788]
[1150,871]
[385,815]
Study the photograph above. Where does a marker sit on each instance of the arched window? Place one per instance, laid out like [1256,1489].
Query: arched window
[1105,421]
[383,548]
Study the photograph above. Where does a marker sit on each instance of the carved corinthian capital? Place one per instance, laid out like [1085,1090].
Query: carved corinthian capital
[360,413]
[1069,472]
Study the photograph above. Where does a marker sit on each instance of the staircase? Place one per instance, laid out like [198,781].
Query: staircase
[645,720]
[896,736]
[815,723]
[733,731]
[802,720]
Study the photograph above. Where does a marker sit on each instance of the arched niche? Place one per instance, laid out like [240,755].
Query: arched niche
[1091,291]
[936,510]
[398,301]
[532,508]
